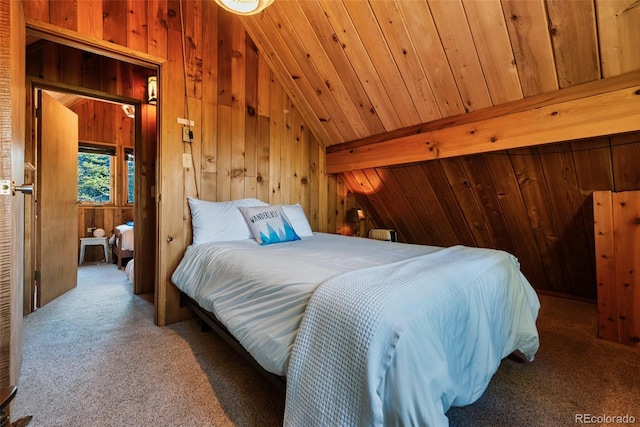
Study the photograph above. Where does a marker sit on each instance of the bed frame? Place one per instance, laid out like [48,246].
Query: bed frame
[120,253]
[212,322]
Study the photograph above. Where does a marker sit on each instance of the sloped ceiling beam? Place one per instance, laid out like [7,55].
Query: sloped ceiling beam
[602,107]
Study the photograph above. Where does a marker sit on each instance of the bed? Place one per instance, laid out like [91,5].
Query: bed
[129,271]
[366,332]
[123,242]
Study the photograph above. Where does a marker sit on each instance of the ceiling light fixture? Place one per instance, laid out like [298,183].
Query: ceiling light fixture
[244,7]
[129,110]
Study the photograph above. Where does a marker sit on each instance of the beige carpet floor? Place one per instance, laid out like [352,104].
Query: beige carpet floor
[93,357]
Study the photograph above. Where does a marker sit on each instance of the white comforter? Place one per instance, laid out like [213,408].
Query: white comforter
[260,292]
[399,344]
[446,347]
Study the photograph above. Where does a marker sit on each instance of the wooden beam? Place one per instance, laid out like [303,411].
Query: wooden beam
[54,33]
[594,109]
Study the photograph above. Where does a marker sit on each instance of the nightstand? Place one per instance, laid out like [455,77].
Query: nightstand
[93,241]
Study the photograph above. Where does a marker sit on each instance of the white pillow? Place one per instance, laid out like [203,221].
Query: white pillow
[220,221]
[269,224]
[298,219]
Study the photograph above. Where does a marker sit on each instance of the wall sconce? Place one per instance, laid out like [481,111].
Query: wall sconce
[244,7]
[152,90]
[354,216]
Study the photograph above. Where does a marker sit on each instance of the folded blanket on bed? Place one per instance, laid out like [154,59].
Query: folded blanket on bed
[444,304]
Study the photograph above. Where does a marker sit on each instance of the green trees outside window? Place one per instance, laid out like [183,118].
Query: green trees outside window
[130,174]
[97,166]
[94,177]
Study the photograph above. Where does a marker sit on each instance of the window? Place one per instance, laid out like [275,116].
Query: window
[130,168]
[95,166]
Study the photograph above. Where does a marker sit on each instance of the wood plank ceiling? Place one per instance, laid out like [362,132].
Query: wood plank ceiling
[358,69]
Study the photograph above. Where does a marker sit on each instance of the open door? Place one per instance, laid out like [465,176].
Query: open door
[56,200]
[12,142]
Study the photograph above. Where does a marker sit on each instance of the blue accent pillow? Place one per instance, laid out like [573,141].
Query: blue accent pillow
[269,224]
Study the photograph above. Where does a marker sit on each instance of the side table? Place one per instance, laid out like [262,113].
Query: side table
[94,241]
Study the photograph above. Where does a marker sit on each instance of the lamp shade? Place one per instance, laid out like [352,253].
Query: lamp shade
[355,215]
[244,7]
[152,90]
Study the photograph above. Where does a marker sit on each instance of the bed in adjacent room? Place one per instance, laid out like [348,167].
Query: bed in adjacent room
[123,243]
[364,331]
[129,272]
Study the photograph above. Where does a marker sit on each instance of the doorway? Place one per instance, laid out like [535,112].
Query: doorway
[142,127]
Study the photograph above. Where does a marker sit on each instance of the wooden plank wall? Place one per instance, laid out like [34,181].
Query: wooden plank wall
[617,233]
[535,203]
[249,138]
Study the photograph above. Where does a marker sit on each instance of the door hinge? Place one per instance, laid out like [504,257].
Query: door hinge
[36,275]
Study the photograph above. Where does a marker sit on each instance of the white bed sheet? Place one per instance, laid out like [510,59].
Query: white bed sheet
[260,292]
[129,271]
[126,237]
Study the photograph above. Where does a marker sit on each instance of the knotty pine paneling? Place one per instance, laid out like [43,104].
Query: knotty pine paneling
[618,35]
[250,138]
[573,30]
[617,231]
[535,203]
[357,68]
[394,64]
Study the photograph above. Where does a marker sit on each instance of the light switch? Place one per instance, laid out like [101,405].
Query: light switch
[186,160]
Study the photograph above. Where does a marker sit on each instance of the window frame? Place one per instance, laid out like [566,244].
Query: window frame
[125,176]
[101,149]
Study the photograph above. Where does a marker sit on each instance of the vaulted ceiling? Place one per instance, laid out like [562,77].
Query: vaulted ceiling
[358,68]
[373,72]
